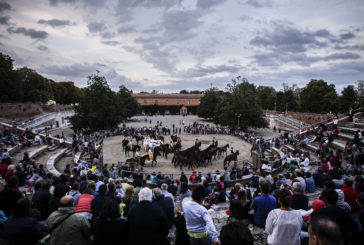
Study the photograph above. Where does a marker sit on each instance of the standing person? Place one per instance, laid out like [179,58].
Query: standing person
[284,224]
[146,223]
[109,228]
[351,114]
[165,203]
[68,227]
[263,204]
[193,177]
[41,198]
[198,220]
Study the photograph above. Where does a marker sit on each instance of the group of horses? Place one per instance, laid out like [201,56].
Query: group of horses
[191,157]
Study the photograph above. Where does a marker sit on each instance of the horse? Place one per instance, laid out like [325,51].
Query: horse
[156,153]
[138,138]
[221,150]
[229,158]
[139,160]
[168,150]
[134,149]
[175,138]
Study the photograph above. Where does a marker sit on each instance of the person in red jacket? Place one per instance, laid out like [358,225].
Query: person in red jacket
[336,160]
[193,177]
[350,194]
[84,203]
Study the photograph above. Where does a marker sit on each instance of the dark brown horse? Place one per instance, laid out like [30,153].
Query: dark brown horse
[229,158]
[221,150]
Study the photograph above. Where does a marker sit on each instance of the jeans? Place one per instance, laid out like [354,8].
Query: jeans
[203,241]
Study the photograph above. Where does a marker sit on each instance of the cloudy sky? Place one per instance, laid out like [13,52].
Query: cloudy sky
[170,45]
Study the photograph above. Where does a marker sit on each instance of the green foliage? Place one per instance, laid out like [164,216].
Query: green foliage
[26,85]
[348,99]
[101,108]
[240,99]
[207,108]
[319,97]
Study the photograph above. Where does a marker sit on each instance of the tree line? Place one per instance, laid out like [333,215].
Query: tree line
[242,103]
[26,85]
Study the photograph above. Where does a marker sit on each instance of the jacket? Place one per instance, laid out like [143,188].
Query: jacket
[76,229]
[84,203]
[147,224]
[23,230]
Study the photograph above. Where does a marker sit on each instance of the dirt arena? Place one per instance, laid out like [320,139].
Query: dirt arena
[113,152]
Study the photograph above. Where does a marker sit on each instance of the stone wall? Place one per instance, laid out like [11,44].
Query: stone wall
[20,111]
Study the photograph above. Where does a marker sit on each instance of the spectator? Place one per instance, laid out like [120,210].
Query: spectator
[164,191]
[325,230]
[84,203]
[283,225]
[193,177]
[350,194]
[320,177]
[128,200]
[179,222]
[109,228]
[236,234]
[198,220]
[165,203]
[41,198]
[20,228]
[184,192]
[75,193]
[9,196]
[310,183]
[341,201]
[341,217]
[300,201]
[262,205]
[239,208]
[298,176]
[98,201]
[68,227]
[58,193]
[147,224]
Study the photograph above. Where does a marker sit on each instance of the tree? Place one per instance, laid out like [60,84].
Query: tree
[349,98]
[240,99]
[101,108]
[207,107]
[266,97]
[319,97]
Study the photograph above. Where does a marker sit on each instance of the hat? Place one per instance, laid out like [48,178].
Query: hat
[194,171]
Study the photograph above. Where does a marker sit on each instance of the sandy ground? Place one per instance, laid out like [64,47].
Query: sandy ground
[113,152]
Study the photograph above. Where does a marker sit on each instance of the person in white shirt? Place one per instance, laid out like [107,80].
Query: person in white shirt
[306,162]
[283,225]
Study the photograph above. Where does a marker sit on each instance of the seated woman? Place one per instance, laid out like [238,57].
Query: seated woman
[239,208]
[109,228]
[21,228]
[283,225]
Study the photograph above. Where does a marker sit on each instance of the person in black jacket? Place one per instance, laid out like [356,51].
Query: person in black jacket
[147,223]
[165,203]
[20,228]
[41,199]
[99,200]
[109,228]
[9,195]
[300,201]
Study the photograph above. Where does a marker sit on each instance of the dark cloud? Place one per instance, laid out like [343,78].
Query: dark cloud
[289,39]
[42,48]
[127,29]
[349,47]
[4,20]
[260,3]
[29,32]
[341,56]
[203,4]
[55,2]
[348,35]
[96,26]
[202,71]
[4,6]
[55,22]
[73,70]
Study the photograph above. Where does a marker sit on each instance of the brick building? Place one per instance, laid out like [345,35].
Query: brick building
[166,102]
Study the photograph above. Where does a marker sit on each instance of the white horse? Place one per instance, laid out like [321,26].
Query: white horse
[150,144]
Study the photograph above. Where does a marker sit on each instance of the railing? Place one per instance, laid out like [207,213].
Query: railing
[39,120]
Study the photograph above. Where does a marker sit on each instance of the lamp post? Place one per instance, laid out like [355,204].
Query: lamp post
[238,115]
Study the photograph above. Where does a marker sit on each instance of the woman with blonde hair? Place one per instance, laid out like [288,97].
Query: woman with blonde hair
[127,200]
